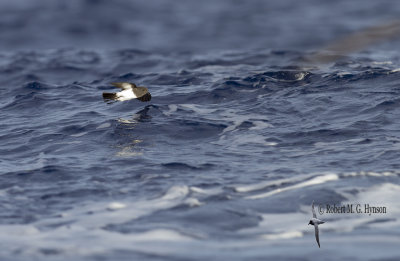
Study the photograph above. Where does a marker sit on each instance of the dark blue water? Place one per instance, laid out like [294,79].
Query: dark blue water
[242,133]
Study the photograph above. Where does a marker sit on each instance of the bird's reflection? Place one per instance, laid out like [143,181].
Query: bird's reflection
[143,115]
[130,144]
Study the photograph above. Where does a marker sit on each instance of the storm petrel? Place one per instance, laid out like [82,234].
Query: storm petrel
[129,91]
[315,222]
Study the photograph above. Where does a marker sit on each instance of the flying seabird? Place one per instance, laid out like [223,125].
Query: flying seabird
[129,91]
[315,222]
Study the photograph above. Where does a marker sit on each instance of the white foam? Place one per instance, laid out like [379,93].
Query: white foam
[98,214]
[116,206]
[383,63]
[312,182]
[386,194]
[193,202]
[260,125]
[371,174]
[281,225]
[161,235]
[383,195]
[19,230]
[79,241]
[300,76]
[127,121]
[341,74]
[209,192]
[79,134]
[332,145]
[263,185]
[84,234]
[85,239]
[68,143]
[172,108]
[104,125]
[283,235]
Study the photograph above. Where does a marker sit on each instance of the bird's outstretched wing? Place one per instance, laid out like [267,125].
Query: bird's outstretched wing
[317,234]
[313,211]
[124,85]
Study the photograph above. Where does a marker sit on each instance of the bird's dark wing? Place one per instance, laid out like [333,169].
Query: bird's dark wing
[317,234]
[313,211]
[145,98]
[123,85]
[109,96]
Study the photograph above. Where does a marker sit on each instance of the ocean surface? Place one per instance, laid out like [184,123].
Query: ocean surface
[242,134]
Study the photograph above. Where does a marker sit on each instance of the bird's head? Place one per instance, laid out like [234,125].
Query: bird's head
[141,90]
[310,223]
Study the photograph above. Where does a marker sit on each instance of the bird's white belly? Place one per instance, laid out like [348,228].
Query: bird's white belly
[317,221]
[126,95]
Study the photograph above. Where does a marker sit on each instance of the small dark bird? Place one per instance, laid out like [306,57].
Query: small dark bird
[129,91]
[315,222]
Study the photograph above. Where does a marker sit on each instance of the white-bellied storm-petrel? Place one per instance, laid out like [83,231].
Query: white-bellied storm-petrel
[129,91]
[315,222]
